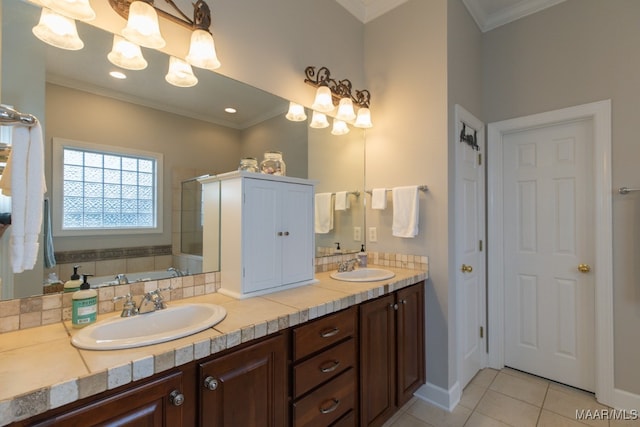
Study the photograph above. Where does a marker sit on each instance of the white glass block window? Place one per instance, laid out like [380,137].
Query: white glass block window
[105,188]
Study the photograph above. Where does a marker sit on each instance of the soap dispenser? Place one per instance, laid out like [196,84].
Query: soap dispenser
[337,249]
[84,305]
[73,284]
[362,257]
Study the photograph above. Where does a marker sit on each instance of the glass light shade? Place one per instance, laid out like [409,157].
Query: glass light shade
[339,128]
[323,102]
[319,120]
[142,26]
[345,110]
[126,55]
[296,112]
[180,73]
[202,51]
[74,9]
[57,30]
[364,119]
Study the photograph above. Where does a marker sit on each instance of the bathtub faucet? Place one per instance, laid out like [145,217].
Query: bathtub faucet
[177,272]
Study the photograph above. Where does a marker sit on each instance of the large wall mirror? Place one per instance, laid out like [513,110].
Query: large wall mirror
[188,126]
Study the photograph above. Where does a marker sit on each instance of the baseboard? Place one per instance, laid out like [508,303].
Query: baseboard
[440,397]
[625,400]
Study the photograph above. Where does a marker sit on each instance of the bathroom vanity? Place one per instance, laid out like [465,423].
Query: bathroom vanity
[332,353]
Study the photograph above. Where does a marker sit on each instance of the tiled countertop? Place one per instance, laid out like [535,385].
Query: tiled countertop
[41,370]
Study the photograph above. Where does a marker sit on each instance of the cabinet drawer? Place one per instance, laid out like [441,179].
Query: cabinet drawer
[348,420]
[323,367]
[323,332]
[328,403]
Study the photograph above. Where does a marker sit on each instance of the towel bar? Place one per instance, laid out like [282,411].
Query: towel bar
[627,190]
[420,187]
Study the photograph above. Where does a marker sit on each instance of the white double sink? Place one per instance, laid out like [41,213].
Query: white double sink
[179,320]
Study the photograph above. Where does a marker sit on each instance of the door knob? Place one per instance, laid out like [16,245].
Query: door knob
[466,268]
[584,268]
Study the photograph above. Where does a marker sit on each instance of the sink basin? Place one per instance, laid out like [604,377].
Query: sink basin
[175,321]
[363,275]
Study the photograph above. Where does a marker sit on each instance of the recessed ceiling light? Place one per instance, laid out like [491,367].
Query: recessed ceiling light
[118,75]
[230,110]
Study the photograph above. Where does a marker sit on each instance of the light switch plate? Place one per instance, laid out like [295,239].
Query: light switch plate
[373,234]
[357,234]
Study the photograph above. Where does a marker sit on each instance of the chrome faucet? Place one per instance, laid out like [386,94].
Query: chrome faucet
[152,301]
[176,271]
[129,308]
[348,265]
[122,279]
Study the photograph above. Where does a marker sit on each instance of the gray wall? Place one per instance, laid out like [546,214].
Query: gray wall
[577,52]
[406,71]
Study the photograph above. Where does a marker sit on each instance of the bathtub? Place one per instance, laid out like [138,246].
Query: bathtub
[98,282]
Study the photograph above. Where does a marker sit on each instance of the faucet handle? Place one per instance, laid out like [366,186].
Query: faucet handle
[129,307]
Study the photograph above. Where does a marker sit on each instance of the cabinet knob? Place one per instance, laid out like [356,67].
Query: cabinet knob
[279,233]
[176,398]
[334,403]
[333,365]
[286,233]
[394,306]
[328,333]
[210,383]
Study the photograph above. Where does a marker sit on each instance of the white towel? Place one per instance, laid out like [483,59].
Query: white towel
[379,198]
[342,201]
[323,213]
[405,211]
[26,184]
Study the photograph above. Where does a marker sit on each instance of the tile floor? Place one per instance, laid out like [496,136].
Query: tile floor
[508,398]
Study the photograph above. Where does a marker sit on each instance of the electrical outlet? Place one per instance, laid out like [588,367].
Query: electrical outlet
[373,234]
[357,234]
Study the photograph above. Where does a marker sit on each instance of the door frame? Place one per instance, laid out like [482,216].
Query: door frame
[461,115]
[599,114]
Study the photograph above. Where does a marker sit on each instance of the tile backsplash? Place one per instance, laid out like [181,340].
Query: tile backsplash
[51,308]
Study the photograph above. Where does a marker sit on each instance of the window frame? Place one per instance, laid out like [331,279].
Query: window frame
[58,146]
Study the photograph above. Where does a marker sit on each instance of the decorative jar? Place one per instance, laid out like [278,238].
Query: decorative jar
[249,164]
[273,163]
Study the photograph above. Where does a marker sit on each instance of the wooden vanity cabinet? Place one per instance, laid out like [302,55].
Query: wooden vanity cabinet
[392,363]
[247,387]
[159,402]
[325,371]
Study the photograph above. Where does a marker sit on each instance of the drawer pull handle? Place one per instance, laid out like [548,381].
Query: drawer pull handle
[328,333]
[334,405]
[326,369]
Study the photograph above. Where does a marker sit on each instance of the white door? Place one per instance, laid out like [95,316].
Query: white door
[548,250]
[470,254]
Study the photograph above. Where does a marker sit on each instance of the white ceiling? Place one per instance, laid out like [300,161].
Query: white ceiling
[488,14]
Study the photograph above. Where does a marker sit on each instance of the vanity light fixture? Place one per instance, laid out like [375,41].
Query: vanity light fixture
[339,127]
[74,9]
[180,73]
[202,51]
[319,120]
[57,30]
[296,112]
[331,92]
[126,54]
[142,25]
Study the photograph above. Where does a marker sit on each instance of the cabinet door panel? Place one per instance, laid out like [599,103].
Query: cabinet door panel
[261,247]
[143,406]
[377,361]
[297,226]
[251,387]
[410,341]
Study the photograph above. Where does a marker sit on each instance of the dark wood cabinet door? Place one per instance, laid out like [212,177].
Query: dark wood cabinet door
[410,341]
[377,361]
[247,387]
[147,405]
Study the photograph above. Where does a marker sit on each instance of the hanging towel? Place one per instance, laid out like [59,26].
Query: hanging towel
[323,213]
[342,201]
[49,256]
[26,184]
[405,211]
[379,198]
